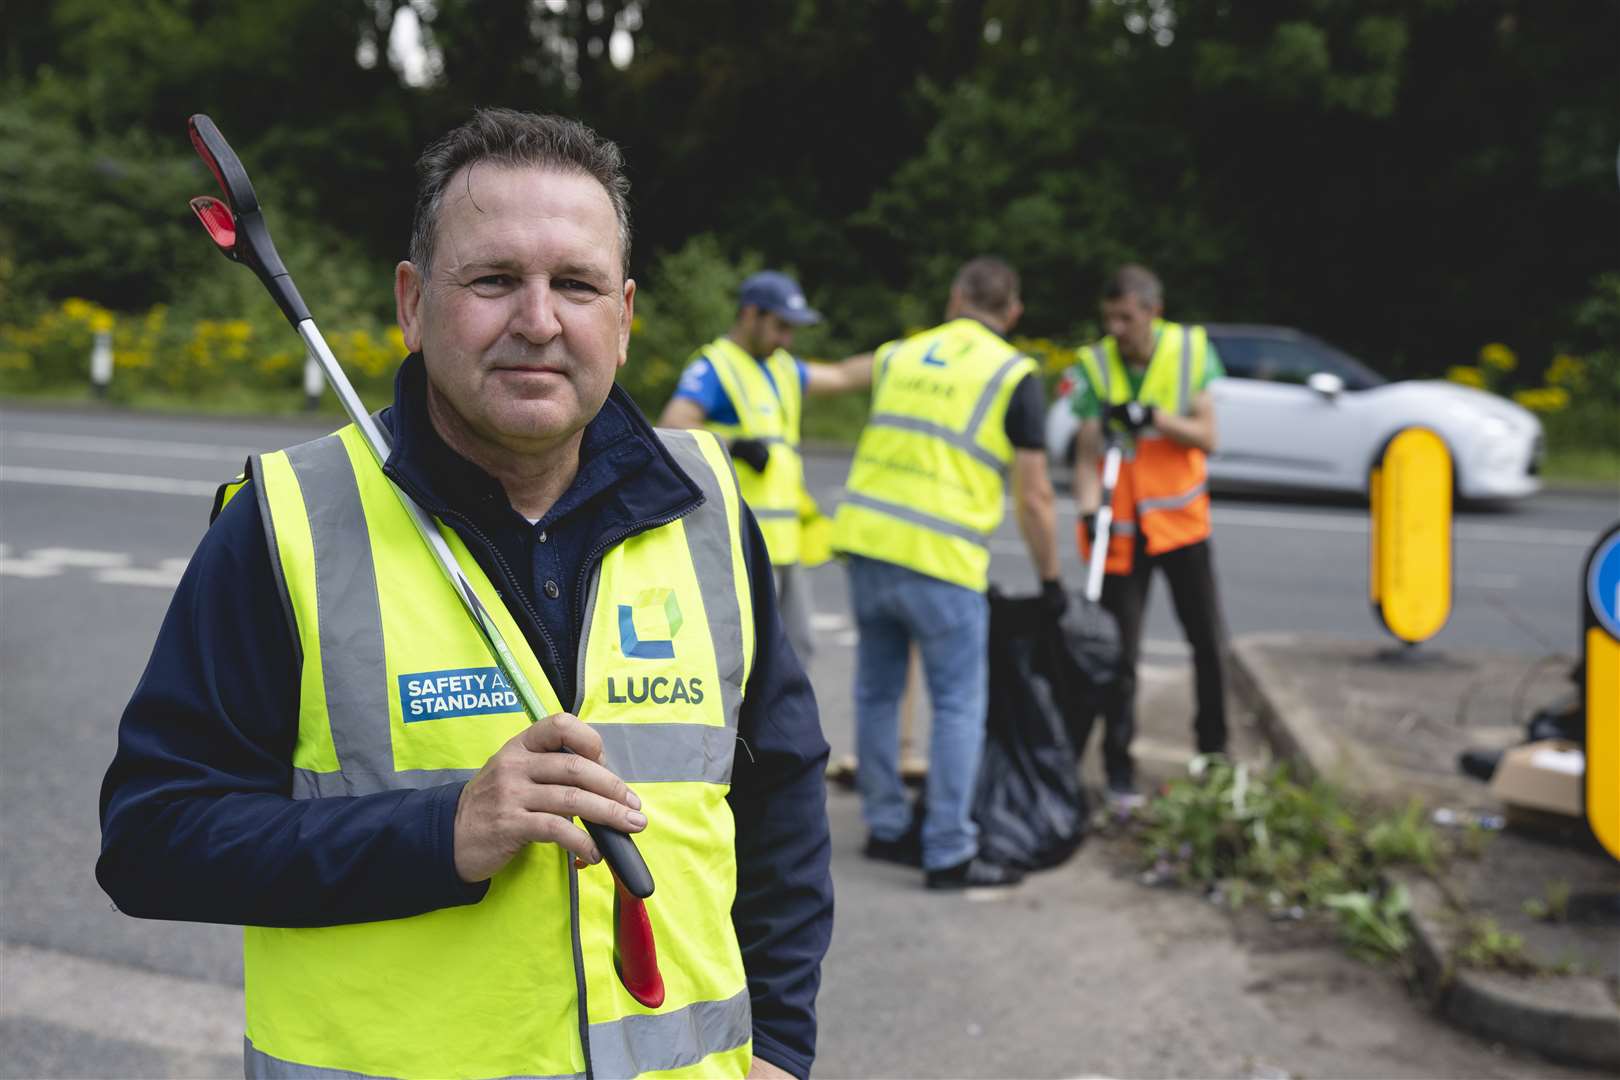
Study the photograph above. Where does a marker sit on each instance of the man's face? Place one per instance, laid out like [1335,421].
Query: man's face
[1130,322]
[765,331]
[525,316]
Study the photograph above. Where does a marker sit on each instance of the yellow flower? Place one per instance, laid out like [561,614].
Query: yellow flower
[1498,356]
[101,321]
[1467,376]
[396,341]
[1543,399]
[1567,371]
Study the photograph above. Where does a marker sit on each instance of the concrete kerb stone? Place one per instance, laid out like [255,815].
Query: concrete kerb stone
[1569,1018]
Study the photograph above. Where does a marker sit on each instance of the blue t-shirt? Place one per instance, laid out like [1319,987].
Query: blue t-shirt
[700,383]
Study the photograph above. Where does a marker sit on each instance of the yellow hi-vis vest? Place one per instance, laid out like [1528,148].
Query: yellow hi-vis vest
[1163,488]
[398,690]
[771,416]
[925,490]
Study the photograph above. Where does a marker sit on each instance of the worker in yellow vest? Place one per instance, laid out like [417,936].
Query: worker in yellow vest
[954,410]
[324,751]
[1147,382]
[747,388]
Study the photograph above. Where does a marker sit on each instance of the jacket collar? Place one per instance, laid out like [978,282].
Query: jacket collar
[625,473]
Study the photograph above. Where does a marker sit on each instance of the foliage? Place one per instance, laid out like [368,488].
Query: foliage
[1486,945]
[1298,846]
[1407,179]
[1552,905]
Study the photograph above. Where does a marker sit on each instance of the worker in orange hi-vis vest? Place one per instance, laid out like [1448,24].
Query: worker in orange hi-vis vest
[1148,382]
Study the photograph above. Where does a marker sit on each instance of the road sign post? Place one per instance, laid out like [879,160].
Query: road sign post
[1409,572]
[1600,626]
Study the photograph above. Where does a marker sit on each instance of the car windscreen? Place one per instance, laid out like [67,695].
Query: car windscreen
[1289,360]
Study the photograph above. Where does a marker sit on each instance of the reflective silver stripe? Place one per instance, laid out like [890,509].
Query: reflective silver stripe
[349,614]
[1171,502]
[258,1065]
[1186,370]
[708,539]
[916,517]
[309,784]
[982,406]
[1099,357]
[764,512]
[964,443]
[670,1040]
[1122,528]
[667,753]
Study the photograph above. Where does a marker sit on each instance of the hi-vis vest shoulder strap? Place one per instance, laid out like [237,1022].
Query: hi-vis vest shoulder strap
[771,415]
[926,486]
[1162,491]
[398,691]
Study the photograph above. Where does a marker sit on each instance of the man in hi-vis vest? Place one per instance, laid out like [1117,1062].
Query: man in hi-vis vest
[323,750]
[748,389]
[1148,382]
[954,409]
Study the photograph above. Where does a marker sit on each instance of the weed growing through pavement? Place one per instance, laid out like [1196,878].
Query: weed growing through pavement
[1249,835]
[1552,905]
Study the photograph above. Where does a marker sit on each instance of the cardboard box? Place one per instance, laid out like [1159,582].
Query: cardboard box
[1549,775]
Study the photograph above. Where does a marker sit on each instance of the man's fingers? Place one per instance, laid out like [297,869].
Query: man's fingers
[562,731]
[576,771]
[574,802]
[543,828]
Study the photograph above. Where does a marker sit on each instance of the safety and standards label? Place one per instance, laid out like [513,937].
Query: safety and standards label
[1601,623]
[440,695]
[1409,579]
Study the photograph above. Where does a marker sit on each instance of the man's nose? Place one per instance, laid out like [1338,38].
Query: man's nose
[535,318]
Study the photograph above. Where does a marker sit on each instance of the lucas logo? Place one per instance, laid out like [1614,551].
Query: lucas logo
[440,695]
[648,625]
[647,629]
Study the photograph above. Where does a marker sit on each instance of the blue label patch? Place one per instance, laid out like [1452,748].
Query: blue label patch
[441,695]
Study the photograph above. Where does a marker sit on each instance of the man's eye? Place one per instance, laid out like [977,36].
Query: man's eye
[574,285]
[492,281]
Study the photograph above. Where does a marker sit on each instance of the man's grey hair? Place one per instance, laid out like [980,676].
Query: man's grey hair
[987,284]
[1136,280]
[512,139]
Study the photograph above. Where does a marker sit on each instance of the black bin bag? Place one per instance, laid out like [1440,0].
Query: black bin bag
[1046,677]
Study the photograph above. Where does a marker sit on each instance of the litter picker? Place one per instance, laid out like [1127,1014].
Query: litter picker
[238,229]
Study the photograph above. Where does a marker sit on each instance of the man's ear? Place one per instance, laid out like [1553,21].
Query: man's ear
[1015,311]
[408,303]
[627,321]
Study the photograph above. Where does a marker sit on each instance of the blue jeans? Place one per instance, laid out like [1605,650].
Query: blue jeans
[951,625]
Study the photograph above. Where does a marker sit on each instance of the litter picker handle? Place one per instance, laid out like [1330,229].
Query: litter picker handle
[238,227]
[1105,521]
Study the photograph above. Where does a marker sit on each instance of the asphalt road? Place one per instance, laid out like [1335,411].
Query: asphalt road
[99,511]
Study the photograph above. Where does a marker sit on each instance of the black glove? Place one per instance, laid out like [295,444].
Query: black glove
[751,452]
[1054,601]
[1088,522]
[1133,416]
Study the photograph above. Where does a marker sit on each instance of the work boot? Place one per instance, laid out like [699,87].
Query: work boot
[974,873]
[907,850]
[1480,764]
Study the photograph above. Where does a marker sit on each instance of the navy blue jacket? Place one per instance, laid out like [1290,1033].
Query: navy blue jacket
[196,816]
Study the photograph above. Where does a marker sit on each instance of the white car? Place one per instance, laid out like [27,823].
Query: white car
[1295,413]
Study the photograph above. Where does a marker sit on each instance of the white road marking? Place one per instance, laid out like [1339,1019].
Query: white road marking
[112,1001]
[103,481]
[109,567]
[63,556]
[99,444]
[827,622]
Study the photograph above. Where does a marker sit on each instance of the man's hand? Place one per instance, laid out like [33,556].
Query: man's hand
[760,1069]
[1133,416]
[1054,601]
[527,792]
[751,452]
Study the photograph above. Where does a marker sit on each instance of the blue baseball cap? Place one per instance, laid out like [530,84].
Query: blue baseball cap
[779,294]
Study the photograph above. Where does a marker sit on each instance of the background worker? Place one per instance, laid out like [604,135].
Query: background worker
[747,388]
[953,408]
[401,850]
[1148,380]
